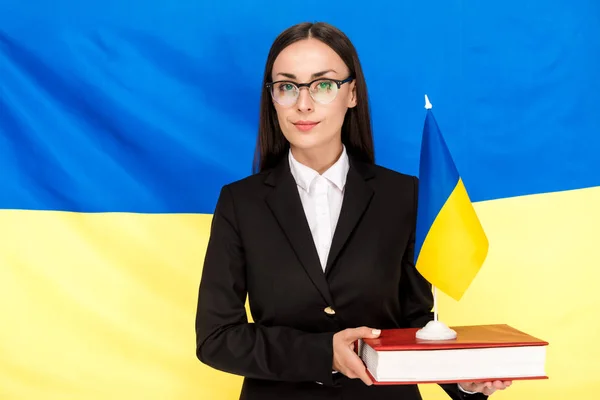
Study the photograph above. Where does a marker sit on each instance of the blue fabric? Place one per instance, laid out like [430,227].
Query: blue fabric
[152,106]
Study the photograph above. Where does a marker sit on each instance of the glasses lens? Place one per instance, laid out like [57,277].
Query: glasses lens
[324,91]
[284,93]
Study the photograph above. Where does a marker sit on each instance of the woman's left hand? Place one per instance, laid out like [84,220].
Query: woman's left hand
[486,388]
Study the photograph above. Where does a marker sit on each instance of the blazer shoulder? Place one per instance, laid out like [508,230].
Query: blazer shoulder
[251,184]
[398,188]
[390,176]
[395,184]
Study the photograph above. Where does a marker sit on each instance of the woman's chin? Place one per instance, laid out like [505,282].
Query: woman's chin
[306,141]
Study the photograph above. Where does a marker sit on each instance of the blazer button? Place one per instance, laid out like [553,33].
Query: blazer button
[329,310]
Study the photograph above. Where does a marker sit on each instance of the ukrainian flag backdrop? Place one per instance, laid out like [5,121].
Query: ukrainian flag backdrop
[120,121]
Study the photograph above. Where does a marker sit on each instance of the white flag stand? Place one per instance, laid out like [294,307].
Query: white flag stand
[436,330]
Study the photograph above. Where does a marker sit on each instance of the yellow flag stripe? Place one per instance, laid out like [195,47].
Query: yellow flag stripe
[101,306]
[455,246]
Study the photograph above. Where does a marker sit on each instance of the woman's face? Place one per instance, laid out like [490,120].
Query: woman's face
[308,124]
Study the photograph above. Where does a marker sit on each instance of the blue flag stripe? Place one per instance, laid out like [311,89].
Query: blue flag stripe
[442,176]
[102,109]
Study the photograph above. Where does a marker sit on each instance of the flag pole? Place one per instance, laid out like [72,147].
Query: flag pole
[435,309]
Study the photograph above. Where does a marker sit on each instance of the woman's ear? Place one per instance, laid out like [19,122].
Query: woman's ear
[352,99]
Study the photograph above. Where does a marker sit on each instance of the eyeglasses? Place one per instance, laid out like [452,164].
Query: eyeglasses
[322,90]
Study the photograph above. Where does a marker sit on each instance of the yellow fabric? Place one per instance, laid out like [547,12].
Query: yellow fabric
[455,246]
[102,306]
[541,276]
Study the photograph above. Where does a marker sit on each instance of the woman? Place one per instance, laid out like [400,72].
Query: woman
[320,239]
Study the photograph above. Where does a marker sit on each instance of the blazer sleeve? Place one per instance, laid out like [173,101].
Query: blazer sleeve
[225,340]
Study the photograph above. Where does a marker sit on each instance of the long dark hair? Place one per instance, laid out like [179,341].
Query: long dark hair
[271,145]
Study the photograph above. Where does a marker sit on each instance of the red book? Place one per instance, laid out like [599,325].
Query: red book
[479,353]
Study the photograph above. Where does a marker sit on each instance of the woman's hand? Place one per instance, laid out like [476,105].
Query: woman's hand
[486,388]
[345,359]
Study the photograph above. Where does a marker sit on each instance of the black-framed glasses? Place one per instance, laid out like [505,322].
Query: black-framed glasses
[322,90]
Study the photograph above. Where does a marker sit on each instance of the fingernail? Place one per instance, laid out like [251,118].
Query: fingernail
[376,331]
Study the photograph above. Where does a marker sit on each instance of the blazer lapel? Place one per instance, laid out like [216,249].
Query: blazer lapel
[284,201]
[357,197]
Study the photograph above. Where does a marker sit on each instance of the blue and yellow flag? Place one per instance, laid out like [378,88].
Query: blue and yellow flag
[450,244]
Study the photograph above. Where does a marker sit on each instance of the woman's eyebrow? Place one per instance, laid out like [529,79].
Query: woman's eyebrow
[313,76]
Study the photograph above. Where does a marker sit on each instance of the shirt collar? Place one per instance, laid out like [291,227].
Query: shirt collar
[336,174]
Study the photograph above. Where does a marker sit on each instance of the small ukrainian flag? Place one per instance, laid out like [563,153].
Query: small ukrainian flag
[451,245]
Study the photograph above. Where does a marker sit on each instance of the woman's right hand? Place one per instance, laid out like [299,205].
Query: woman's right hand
[345,359]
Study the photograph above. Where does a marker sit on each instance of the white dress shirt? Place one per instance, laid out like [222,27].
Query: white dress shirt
[321,197]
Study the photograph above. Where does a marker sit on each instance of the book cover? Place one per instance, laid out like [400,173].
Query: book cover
[474,336]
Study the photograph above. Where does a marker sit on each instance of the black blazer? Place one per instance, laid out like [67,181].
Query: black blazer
[261,246]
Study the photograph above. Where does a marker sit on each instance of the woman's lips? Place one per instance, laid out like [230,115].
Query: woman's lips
[305,126]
